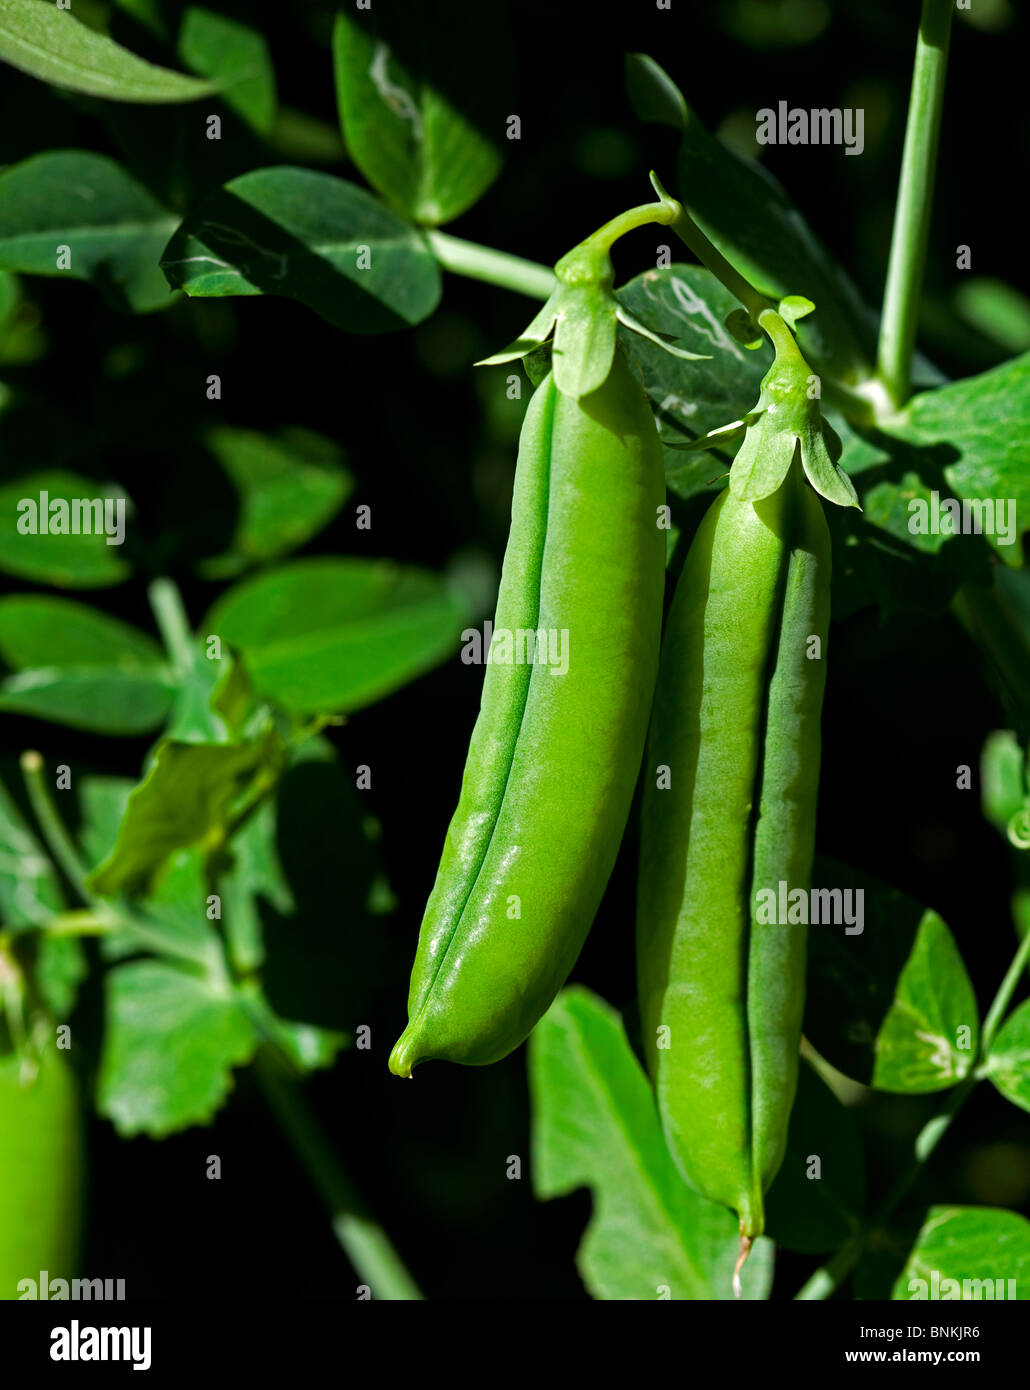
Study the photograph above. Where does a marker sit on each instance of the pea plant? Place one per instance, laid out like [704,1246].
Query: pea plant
[189,853]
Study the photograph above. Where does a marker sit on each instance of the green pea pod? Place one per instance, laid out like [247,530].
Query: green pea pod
[554,756]
[40,1170]
[729,810]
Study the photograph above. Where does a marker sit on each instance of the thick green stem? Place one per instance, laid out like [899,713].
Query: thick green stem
[915,198]
[492,267]
[365,1243]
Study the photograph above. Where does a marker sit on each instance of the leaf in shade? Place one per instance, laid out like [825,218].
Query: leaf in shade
[311,237]
[113,229]
[72,561]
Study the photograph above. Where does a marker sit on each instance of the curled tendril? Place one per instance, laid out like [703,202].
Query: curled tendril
[1018,829]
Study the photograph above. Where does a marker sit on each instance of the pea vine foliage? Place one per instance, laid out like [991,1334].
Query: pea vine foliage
[183,875]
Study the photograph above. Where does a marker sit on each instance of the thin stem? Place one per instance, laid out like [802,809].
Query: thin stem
[365,1243]
[835,1270]
[712,258]
[59,842]
[67,855]
[492,267]
[915,199]
[1004,996]
[172,622]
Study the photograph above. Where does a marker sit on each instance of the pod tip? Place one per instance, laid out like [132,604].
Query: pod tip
[401,1059]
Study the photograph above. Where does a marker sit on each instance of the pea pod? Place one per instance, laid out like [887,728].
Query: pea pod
[554,757]
[731,811]
[40,1170]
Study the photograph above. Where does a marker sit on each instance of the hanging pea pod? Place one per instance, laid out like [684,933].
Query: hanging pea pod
[41,1161]
[729,812]
[555,752]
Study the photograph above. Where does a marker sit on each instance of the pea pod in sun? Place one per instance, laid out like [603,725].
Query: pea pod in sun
[729,810]
[554,756]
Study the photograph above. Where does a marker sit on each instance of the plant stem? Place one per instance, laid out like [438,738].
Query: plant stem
[65,852]
[712,259]
[493,267]
[365,1243]
[59,842]
[839,1266]
[915,198]
[172,621]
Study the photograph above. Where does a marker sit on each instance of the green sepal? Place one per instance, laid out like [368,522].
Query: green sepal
[581,316]
[787,419]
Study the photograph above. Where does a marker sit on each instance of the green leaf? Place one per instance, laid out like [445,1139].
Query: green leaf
[422,115]
[30,891]
[595,1125]
[237,58]
[74,561]
[311,237]
[60,968]
[1008,1062]
[48,43]
[86,208]
[691,398]
[815,1209]
[172,1039]
[985,420]
[654,96]
[335,635]
[973,1246]
[886,1004]
[185,799]
[76,666]
[289,488]
[930,1037]
[754,223]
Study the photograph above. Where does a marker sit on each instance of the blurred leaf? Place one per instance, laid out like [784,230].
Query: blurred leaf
[814,1214]
[311,237]
[595,1125]
[422,115]
[1008,1062]
[185,799]
[114,230]
[1003,778]
[236,57]
[76,666]
[171,1041]
[985,419]
[324,635]
[996,310]
[654,96]
[289,488]
[885,1004]
[970,1245]
[102,805]
[48,43]
[72,561]
[30,891]
[60,967]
